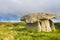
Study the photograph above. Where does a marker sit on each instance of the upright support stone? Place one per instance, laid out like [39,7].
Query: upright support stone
[43,28]
[52,26]
[47,25]
[39,26]
[35,26]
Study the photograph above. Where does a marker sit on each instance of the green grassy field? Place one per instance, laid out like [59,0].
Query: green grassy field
[16,31]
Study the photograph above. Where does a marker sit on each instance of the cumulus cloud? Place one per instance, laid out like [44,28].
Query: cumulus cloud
[22,7]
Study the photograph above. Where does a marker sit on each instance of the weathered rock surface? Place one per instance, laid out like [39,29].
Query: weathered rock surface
[39,21]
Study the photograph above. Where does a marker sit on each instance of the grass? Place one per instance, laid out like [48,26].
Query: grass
[16,31]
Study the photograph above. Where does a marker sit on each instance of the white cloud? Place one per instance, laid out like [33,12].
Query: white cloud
[17,6]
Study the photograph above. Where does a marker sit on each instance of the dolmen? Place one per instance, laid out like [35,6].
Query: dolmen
[39,21]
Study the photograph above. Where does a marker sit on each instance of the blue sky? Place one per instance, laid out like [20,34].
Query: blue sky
[12,10]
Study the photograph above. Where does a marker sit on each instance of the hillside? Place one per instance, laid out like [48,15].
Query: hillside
[16,31]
